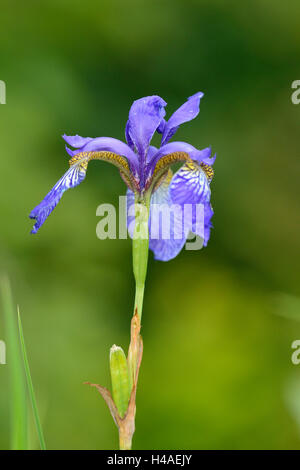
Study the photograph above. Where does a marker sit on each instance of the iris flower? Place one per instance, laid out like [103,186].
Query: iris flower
[146,169]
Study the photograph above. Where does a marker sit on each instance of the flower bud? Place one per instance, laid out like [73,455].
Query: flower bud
[119,379]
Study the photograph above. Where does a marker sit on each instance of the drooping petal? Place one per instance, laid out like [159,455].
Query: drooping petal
[70,179]
[73,177]
[167,234]
[178,206]
[190,185]
[145,116]
[188,111]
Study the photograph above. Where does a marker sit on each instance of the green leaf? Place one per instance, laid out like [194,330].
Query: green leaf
[18,411]
[30,387]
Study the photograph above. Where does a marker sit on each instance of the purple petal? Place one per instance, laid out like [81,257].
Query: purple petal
[111,145]
[197,155]
[190,186]
[145,116]
[76,141]
[188,111]
[208,213]
[209,160]
[71,152]
[127,136]
[166,232]
[130,200]
[74,176]
[162,126]
[151,152]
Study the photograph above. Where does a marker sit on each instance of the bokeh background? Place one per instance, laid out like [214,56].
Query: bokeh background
[218,323]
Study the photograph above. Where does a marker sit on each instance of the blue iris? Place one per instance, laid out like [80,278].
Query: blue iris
[147,170]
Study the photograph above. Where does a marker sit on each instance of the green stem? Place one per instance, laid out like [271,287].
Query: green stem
[140,248]
[139,297]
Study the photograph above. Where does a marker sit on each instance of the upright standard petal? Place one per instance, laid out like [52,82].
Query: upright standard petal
[188,111]
[129,140]
[145,116]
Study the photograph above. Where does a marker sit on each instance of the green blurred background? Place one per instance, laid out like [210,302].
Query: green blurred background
[218,323]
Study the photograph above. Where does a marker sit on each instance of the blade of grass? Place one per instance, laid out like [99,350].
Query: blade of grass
[18,405]
[30,386]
